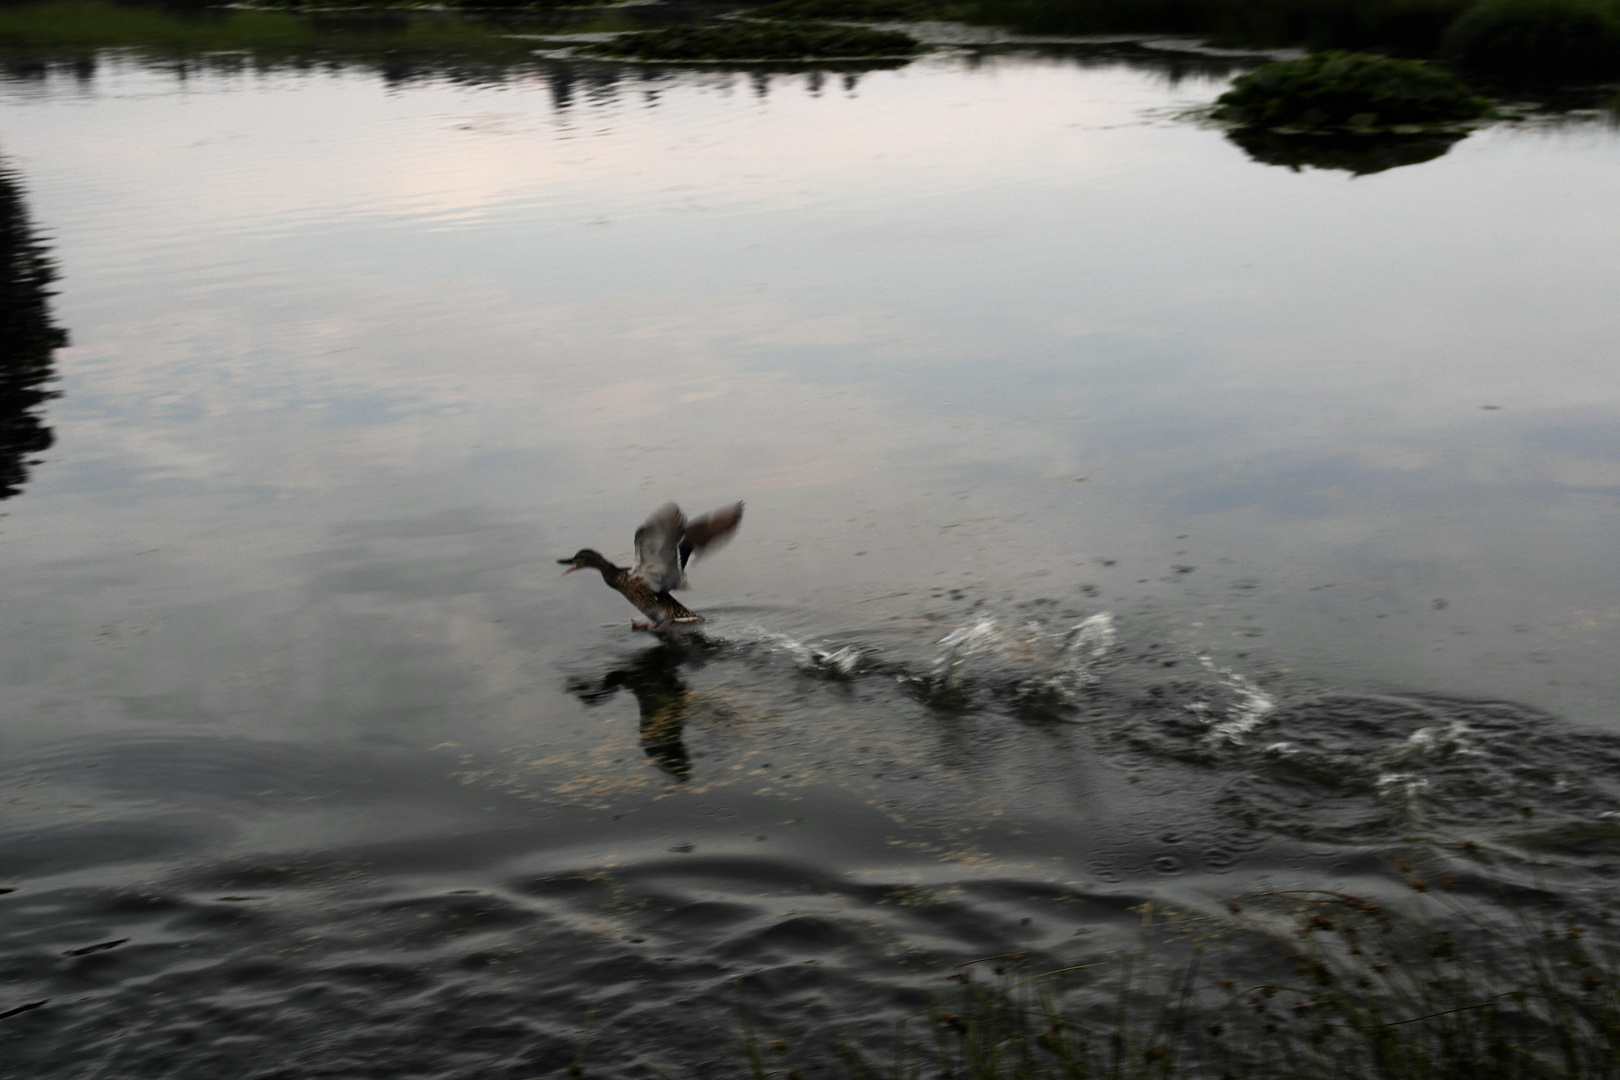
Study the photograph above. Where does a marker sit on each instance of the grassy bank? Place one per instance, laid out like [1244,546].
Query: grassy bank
[407,39]
[67,27]
[95,25]
[1503,43]
[1507,41]
[1309,985]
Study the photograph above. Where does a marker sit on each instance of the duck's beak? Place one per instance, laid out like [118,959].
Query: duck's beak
[571,564]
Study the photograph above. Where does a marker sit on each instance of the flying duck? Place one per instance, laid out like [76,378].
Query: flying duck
[665,543]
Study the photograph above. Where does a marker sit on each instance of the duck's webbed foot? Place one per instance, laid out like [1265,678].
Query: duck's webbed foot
[639,624]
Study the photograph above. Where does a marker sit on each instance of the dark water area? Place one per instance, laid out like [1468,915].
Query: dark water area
[1130,522]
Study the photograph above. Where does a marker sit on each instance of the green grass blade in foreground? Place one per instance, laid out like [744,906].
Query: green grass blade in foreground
[1304,985]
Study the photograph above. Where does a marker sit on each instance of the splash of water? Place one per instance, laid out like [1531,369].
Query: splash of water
[842,662]
[1043,662]
[1089,640]
[1245,714]
[962,643]
[1405,787]
[1452,739]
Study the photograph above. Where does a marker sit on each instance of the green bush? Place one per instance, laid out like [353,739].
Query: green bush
[393,40]
[1537,41]
[1402,27]
[1348,90]
[756,41]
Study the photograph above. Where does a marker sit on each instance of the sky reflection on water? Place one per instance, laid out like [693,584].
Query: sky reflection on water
[998,280]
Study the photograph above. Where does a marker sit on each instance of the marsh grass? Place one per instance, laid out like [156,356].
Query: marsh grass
[1307,985]
[1348,90]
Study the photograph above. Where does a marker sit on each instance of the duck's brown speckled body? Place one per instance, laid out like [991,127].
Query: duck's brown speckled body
[665,543]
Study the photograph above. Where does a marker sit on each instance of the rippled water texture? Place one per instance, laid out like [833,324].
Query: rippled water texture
[1128,520]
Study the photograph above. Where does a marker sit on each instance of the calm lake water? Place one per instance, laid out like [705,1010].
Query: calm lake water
[1128,521]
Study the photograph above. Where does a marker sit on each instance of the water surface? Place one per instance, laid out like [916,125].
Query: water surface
[1127,521]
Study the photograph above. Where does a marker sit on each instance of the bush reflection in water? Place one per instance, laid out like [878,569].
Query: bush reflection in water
[28,338]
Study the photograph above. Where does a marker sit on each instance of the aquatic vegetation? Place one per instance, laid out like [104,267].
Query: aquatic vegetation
[1348,90]
[1537,41]
[1309,983]
[756,41]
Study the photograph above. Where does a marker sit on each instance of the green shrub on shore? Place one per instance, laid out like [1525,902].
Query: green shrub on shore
[1509,41]
[1348,90]
[746,41]
[1400,27]
[1537,41]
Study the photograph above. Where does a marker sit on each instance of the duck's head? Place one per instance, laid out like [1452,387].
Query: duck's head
[586,559]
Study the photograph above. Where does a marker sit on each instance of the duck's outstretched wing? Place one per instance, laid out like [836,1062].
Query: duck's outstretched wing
[710,532]
[658,542]
[666,542]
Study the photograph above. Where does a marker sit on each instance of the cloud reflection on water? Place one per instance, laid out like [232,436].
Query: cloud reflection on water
[978,321]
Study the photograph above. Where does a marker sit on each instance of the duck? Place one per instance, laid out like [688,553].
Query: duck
[665,543]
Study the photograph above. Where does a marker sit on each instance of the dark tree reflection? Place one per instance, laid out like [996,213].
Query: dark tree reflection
[1359,155]
[654,678]
[28,338]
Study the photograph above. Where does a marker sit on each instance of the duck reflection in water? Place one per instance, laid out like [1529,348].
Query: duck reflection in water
[662,696]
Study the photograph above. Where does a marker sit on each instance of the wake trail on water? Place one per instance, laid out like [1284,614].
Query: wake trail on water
[1310,764]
